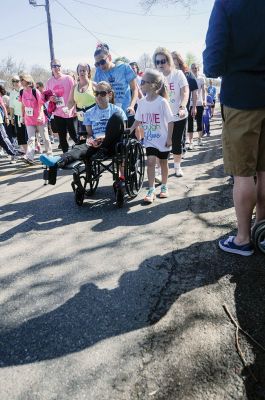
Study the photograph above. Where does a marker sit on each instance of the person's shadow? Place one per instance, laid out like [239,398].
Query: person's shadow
[141,299]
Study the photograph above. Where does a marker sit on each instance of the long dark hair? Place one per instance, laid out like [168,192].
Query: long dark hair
[101,48]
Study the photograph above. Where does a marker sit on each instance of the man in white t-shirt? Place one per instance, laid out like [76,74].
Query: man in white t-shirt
[201,102]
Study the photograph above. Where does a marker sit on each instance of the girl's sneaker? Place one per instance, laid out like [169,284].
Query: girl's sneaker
[164,192]
[150,196]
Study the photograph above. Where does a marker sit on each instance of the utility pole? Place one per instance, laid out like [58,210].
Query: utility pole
[49,23]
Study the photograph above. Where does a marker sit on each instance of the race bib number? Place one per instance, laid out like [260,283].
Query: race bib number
[60,102]
[80,115]
[29,111]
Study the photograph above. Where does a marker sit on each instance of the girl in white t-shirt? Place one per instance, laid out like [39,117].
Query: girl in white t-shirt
[156,118]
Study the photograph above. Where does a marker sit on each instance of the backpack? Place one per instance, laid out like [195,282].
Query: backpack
[33,92]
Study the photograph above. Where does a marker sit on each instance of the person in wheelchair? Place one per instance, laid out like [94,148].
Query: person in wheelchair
[105,123]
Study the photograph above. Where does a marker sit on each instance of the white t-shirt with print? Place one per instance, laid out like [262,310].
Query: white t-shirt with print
[201,83]
[176,80]
[15,103]
[155,116]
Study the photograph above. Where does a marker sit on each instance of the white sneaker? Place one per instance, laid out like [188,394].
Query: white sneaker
[13,160]
[190,146]
[200,142]
[178,172]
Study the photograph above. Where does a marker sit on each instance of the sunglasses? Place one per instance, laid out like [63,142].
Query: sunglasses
[15,81]
[162,62]
[101,62]
[56,66]
[102,93]
[143,82]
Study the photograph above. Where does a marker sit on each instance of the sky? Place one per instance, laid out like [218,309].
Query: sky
[122,24]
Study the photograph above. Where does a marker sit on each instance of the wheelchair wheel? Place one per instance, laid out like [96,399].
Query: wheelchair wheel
[134,168]
[79,197]
[258,236]
[91,179]
[120,197]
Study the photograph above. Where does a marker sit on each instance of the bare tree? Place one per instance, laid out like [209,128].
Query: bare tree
[190,59]
[145,61]
[40,74]
[148,4]
[9,67]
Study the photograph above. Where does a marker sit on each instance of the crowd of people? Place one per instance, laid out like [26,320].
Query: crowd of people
[160,109]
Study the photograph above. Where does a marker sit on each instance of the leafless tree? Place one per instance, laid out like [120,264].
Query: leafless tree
[39,73]
[145,61]
[190,59]
[148,4]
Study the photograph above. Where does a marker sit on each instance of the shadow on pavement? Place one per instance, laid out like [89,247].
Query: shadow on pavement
[141,299]
[47,213]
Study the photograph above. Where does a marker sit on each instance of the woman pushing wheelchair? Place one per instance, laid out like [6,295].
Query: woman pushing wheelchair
[105,123]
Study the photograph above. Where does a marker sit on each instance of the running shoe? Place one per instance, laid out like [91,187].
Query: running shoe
[27,161]
[190,146]
[150,196]
[178,172]
[164,192]
[230,246]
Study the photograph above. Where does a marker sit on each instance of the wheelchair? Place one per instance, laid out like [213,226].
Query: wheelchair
[258,236]
[129,155]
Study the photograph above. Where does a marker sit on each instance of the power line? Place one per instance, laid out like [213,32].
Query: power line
[79,22]
[24,30]
[83,26]
[119,37]
[135,13]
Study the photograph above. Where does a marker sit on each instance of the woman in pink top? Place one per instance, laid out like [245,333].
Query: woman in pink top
[61,86]
[33,116]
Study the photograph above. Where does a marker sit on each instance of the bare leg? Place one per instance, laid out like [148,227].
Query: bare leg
[244,195]
[164,171]
[190,137]
[177,158]
[151,162]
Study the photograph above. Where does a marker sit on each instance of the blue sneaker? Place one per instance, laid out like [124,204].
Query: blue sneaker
[49,161]
[230,246]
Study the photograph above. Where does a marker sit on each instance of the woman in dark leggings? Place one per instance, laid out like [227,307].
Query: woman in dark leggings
[104,123]
[178,90]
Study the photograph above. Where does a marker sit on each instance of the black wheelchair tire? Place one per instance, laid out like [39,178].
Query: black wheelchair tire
[79,197]
[258,236]
[119,193]
[134,168]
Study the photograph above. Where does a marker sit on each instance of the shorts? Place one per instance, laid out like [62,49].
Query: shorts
[243,139]
[162,155]
[198,119]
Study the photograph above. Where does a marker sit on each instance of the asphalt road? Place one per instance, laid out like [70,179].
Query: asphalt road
[124,304]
